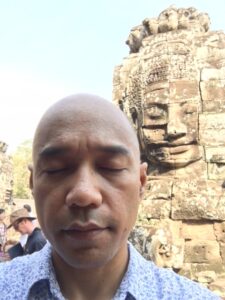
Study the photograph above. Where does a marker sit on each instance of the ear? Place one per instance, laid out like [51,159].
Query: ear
[143,177]
[30,168]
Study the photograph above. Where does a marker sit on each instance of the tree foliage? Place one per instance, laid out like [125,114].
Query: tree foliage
[21,159]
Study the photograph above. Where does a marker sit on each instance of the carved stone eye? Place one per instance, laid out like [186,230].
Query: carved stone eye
[156,112]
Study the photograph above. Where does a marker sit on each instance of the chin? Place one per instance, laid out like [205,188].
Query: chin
[85,262]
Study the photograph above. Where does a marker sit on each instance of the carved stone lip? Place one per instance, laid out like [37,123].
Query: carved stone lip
[166,151]
[175,144]
[179,149]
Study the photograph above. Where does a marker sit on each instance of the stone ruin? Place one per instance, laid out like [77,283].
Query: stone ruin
[172,88]
[6,178]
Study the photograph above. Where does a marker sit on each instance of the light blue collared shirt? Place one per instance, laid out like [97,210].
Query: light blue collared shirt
[33,277]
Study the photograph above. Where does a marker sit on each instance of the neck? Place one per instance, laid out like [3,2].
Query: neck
[95,283]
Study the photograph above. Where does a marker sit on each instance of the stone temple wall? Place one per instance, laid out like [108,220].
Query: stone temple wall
[6,178]
[172,88]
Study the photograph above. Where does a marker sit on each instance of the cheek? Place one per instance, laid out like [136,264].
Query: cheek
[48,203]
[125,201]
[154,135]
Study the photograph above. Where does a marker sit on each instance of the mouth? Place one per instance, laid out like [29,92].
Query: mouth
[178,149]
[86,231]
[172,148]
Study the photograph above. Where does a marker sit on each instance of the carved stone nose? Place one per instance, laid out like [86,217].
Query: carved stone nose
[176,129]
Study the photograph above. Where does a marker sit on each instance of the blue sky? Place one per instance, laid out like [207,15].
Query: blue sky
[53,48]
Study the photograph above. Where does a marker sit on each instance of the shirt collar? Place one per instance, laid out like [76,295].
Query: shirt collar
[130,287]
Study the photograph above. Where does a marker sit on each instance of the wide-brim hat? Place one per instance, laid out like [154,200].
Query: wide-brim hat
[19,214]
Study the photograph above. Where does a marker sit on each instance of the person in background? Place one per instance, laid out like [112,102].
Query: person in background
[21,221]
[24,237]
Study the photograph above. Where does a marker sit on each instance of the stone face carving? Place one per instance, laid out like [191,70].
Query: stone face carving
[172,88]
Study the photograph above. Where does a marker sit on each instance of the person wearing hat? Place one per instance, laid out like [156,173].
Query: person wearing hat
[21,221]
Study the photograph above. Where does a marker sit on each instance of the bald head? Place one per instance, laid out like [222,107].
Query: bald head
[83,111]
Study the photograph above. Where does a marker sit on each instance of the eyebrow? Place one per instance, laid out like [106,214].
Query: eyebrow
[52,151]
[111,149]
[115,149]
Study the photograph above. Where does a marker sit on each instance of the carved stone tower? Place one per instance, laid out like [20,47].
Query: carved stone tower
[172,88]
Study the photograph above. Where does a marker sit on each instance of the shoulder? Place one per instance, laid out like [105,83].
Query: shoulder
[37,235]
[18,275]
[153,282]
[13,275]
[19,265]
[167,282]
[37,231]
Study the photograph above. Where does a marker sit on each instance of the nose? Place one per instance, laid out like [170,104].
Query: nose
[84,189]
[175,128]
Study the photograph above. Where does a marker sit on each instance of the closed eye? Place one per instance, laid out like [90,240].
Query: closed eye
[55,171]
[112,170]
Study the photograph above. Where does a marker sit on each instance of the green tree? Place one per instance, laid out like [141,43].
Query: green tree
[21,159]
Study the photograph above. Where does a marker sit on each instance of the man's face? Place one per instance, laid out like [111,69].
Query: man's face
[170,128]
[21,226]
[86,185]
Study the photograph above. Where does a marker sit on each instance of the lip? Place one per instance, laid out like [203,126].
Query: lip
[182,147]
[84,231]
[78,226]
[179,149]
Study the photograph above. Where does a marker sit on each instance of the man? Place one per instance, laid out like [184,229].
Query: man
[24,237]
[21,221]
[87,181]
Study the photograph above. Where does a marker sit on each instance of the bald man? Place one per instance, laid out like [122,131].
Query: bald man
[87,181]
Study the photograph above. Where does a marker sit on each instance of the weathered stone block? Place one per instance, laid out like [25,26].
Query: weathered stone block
[201,251]
[157,200]
[216,171]
[156,209]
[215,154]
[212,74]
[218,287]
[212,129]
[212,89]
[158,189]
[198,231]
[184,90]
[219,228]
[215,106]
[206,276]
[198,199]
[215,266]
[222,252]
[176,228]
